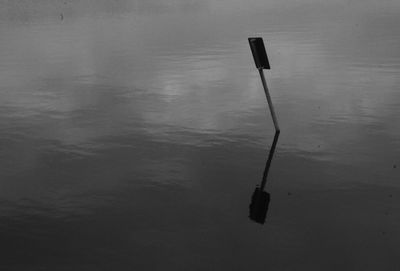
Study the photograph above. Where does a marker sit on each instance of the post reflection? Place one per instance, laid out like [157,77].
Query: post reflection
[260,198]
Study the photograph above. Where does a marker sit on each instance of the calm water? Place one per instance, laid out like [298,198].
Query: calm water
[133,134]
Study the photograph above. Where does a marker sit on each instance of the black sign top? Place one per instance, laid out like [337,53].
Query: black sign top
[259,53]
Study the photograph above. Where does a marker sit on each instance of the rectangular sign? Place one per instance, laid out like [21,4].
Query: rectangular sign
[259,53]
[259,205]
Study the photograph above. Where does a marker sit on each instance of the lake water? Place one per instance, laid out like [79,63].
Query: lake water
[133,134]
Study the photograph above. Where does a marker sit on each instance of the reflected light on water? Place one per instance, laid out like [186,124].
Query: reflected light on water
[137,128]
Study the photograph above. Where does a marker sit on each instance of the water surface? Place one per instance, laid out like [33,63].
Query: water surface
[133,134]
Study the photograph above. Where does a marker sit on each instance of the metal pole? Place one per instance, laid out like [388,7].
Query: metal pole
[271,107]
[268,164]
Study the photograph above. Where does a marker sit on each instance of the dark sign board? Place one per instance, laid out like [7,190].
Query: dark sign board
[259,205]
[259,53]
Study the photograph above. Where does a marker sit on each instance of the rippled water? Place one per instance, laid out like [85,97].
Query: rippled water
[133,134]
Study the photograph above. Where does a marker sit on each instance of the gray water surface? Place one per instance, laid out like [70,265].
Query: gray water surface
[133,134]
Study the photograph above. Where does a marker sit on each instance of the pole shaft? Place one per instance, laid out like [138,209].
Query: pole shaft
[271,106]
[269,160]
